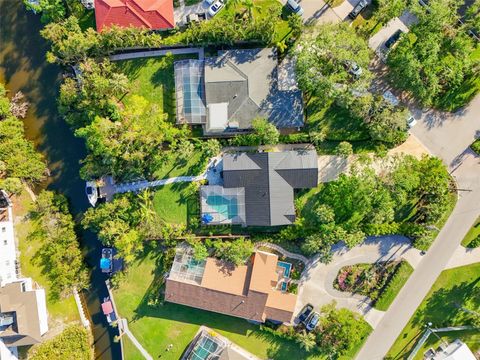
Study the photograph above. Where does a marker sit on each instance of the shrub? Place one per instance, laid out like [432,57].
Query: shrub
[476,146]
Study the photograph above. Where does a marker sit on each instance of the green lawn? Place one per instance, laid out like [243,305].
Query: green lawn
[175,204]
[176,167]
[453,288]
[158,326]
[473,233]
[64,310]
[153,78]
[394,286]
[130,352]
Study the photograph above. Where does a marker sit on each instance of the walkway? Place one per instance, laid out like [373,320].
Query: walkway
[317,280]
[282,251]
[447,136]
[154,53]
[123,328]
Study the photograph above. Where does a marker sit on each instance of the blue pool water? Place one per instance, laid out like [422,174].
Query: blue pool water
[284,286]
[224,206]
[287,268]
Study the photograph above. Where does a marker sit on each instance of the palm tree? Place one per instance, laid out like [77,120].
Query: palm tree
[146,206]
[306,340]
[250,6]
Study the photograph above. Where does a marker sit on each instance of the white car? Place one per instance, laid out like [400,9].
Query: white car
[215,8]
[411,121]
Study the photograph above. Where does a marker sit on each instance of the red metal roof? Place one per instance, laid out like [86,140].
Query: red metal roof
[150,14]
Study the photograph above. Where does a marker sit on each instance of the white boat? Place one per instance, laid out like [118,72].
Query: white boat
[91,189]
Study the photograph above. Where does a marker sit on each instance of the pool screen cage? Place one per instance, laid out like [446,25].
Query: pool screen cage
[190,91]
[207,347]
[222,205]
[185,267]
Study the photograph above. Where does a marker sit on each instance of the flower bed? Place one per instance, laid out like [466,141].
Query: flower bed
[366,279]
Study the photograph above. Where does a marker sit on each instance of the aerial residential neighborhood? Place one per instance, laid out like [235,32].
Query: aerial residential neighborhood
[240,179]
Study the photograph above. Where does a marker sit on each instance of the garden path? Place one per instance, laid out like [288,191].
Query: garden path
[316,284]
[155,53]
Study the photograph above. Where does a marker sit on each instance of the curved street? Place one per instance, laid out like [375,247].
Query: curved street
[447,136]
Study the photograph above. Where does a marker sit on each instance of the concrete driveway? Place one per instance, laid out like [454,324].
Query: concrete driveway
[182,11]
[316,285]
[377,41]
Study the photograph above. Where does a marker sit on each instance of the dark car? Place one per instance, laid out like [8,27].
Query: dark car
[312,321]
[358,9]
[306,311]
[393,39]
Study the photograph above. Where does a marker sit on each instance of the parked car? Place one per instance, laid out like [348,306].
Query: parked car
[393,100]
[393,39]
[215,8]
[358,9]
[411,121]
[306,311]
[353,68]
[312,321]
[295,7]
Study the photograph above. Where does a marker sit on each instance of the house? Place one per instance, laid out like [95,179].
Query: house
[225,93]
[208,344]
[258,188]
[148,14]
[456,350]
[254,291]
[23,309]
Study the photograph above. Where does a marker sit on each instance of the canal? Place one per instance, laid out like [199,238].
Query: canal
[23,67]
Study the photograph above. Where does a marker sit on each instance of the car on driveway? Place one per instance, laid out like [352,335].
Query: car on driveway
[294,7]
[312,321]
[215,8]
[392,40]
[353,68]
[358,9]
[393,100]
[305,313]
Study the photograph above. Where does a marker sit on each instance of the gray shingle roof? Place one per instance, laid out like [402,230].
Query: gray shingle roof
[269,179]
[247,80]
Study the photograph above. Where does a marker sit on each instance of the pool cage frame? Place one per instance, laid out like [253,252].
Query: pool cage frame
[185,268]
[221,345]
[219,218]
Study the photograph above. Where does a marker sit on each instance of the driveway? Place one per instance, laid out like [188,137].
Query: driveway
[447,136]
[377,41]
[316,285]
[182,11]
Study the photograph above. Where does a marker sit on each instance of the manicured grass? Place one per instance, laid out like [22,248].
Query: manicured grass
[366,24]
[63,310]
[176,167]
[476,146]
[175,204]
[454,288]
[158,326]
[399,279]
[130,352]
[473,234]
[153,78]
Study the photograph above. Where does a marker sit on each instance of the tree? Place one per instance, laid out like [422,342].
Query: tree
[236,251]
[340,330]
[386,123]
[306,340]
[265,131]
[185,149]
[344,149]
[295,23]
[51,10]
[322,60]
[211,148]
[60,250]
[200,251]
[250,6]
[389,9]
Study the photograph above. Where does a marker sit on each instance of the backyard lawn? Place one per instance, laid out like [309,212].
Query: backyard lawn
[472,239]
[63,310]
[176,203]
[454,288]
[153,78]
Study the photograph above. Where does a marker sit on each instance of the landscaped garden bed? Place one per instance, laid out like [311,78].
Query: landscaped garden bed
[380,281]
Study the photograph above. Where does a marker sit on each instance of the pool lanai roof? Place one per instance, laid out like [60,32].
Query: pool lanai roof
[185,267]
[190,91]
[207,347]
[225,206]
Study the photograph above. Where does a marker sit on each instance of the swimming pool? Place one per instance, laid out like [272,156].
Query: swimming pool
[226,207]
[284,286]
[287,267]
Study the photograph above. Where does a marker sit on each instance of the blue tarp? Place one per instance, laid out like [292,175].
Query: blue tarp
[206,218]
[105,263]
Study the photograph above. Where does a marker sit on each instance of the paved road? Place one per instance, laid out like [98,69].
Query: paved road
[447,136]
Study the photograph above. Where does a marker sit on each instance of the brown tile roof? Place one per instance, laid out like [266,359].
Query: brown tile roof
[246,291]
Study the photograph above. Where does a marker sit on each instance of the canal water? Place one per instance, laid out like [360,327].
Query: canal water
[23,67]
